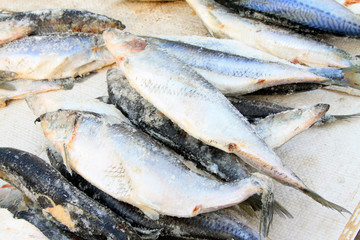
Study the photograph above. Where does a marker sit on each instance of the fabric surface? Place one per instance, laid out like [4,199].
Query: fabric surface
[326,158]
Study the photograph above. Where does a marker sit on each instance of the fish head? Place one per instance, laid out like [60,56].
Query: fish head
[59,127]
[123,44]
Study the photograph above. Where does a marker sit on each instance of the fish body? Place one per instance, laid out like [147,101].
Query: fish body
[214,225]
[166,82]
[19,89]
[138,170]
[283,43]
[237,75]
[229,46]
[19,24]
[40,105]
[54,56]
[212,120]
[324,15]
[60,201]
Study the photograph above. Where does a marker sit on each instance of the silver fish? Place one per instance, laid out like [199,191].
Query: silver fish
[283,43]
[19,24]
[167,82]
[238,75]
[54,56]
[136,169]
[324,15]
[19,89]
[230,46]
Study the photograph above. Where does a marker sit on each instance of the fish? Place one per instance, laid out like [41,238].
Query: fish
[19,89]
[326,15]
[230,46]
[166,82]
[37,22]
[137,169]
[41,105]
[224,165]
[255,109]
[213,225]
[58,200]
[238,75]
[283,43]
[53,56]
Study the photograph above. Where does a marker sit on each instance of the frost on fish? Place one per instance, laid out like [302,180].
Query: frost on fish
[58,200]
[136,169]
[53,56]
[283,43]
[166,82]
[11,30]
[214,225]
[19,24]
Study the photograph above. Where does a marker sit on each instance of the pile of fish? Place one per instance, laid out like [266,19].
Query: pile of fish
[175,149]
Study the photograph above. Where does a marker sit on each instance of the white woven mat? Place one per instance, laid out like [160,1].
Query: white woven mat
[327,158]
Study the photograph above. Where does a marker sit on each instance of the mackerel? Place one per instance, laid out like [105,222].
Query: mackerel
[283,43]
[324,15]
[53,56]
[237,75]
[19,24]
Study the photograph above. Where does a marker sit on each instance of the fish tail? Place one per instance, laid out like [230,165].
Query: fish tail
[267,199]
[324,202]
[352,76]
[327,118]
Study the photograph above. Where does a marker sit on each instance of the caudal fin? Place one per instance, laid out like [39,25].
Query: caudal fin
[327,118]
[324,202]
[352,75]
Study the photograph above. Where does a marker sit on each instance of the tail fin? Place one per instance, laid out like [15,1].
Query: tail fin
[324,202]
[352,75]
[267,212]
[327,118]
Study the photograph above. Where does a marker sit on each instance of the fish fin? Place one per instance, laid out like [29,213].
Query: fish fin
[267,212]
[149,212]
[324,202]
[352,75]
[281,210]
[7,75]
[66,159]
[247,208]
[104,99]
[327,118]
